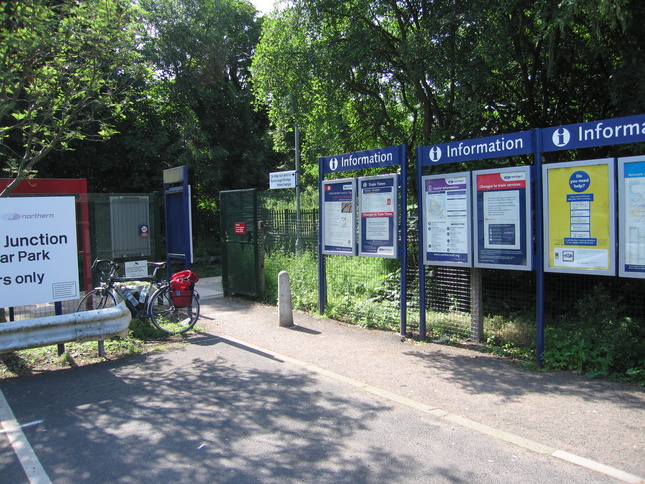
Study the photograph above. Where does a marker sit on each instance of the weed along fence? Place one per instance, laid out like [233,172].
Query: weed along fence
[535,251]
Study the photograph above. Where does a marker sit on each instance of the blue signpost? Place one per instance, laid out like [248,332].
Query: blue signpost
[179,237]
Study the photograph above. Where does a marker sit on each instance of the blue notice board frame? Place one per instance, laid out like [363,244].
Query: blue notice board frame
[446,234]
[339,216]
[631,207]
[503,231]
[378,220]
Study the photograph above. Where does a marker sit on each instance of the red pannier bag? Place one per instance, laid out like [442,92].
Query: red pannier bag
[182,285]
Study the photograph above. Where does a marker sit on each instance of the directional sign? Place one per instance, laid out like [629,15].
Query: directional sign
[282,179]
[477,149]
[630,129]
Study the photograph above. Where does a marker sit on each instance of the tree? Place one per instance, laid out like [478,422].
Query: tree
[66,69]
[366,73]
[202,51]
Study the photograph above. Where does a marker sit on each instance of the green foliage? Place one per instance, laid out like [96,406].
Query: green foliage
[66,72]
[599,342]
[303,278]
[361,74]
[144,330]
[349,297]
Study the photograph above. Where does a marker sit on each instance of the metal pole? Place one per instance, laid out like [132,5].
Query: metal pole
[298,211]
[322,280]
[403,153]
[422,274]
[539,247]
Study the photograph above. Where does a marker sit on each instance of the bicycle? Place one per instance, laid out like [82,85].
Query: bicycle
[153,299]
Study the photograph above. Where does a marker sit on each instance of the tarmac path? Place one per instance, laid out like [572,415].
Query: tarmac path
[249,401]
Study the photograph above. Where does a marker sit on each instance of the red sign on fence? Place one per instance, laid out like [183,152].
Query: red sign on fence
[240,228]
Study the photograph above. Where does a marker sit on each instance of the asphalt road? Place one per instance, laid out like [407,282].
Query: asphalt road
[227,409]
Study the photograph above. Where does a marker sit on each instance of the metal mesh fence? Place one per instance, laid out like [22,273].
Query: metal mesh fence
[366,290]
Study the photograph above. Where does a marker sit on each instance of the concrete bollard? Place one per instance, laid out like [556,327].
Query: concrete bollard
[284,300]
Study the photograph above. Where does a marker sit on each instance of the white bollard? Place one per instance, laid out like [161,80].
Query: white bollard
[284,300]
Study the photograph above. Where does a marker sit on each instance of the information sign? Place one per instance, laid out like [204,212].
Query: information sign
[631,207]
[38,251]
[390,156]
[579,210]
[629,129]
[378,221]
[503,214]
[512,144]
[339,216]
[446,234]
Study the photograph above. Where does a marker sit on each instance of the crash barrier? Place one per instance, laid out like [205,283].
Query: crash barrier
[95,325]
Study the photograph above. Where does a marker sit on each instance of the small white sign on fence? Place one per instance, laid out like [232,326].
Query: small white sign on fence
[136,268]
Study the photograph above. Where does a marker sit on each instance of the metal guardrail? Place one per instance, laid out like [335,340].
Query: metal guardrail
[93,325]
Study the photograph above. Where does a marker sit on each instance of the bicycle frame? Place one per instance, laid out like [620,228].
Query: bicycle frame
[112,282]
[155,301]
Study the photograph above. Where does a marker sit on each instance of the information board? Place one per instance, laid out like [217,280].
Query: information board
[579,210]
[631,207]
[378,221]
[503,218]
[339,216]
[38,251]
[446,234]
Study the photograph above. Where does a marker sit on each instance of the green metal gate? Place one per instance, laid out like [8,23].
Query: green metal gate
[242,265]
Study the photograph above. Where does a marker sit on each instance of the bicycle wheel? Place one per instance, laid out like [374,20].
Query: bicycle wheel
[97,299]
[169,318]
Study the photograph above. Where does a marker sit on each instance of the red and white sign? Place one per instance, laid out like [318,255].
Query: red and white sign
[240,228]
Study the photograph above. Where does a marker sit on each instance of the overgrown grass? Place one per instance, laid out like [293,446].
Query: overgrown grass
[599,341]
[142,337]
[365,291]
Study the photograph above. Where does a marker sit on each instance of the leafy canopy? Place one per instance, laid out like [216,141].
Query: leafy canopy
[66,69]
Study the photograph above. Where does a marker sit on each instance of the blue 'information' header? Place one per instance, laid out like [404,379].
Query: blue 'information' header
[512,144]
[630,129]
[392,155]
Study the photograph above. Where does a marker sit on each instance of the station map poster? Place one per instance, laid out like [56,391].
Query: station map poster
[378,220]
[631,206]
[38,250]
[339,216]
[446,234]
[579,210]
[503,215]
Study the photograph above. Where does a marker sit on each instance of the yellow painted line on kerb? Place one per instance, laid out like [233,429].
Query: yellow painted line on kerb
[456,419]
